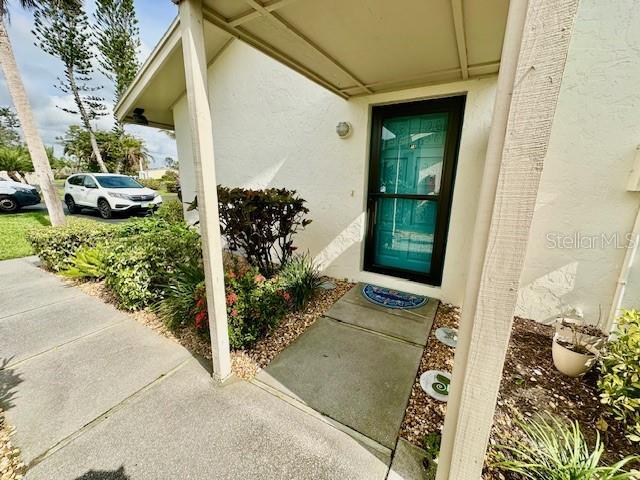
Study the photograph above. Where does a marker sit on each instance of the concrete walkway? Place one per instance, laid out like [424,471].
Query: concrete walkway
[356,366]
[95,395]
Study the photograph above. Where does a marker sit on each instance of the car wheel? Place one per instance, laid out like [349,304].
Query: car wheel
[71,204]
[8,204]
[104,208]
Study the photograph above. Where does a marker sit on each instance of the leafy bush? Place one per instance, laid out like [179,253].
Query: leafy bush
[139,265]
[56,246]
[88,262]
[152,183]
[431,444]
[301,277]
[171,186]
[619,381]
[254,306]
[171,211]
[180,295]
[261,223]
[553,450]
[170,176]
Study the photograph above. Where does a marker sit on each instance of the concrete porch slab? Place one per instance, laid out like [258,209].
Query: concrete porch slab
[408,463]
[427,311]
[52,395]
[411,328]
[187,428]
[357,377]
[23,335]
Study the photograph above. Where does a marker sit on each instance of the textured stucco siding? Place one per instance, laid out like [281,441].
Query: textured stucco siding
[582,197]
[272,127]
[275,128]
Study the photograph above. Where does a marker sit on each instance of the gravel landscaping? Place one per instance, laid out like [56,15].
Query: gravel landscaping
[244,363]
[424,414]
[530,385]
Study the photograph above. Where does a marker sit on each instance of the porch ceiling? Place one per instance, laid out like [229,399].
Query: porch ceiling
[351,47]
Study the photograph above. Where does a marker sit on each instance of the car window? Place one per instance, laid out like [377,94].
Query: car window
[89,182]
[77,180]
[116,181]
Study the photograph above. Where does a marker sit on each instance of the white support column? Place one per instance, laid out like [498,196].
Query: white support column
[525,104]
[195,67]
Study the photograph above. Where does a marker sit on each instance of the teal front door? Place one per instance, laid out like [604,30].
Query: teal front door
[413,156]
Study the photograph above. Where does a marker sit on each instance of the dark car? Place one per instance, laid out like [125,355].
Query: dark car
[14,195]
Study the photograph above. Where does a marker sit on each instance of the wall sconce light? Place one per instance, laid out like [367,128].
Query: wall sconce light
[344,129]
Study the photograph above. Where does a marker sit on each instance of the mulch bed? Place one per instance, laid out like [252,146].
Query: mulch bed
[530,385]
[244,363]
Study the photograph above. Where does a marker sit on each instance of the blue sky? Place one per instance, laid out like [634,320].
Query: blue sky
[40,70]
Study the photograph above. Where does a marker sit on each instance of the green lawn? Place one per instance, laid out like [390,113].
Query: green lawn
[60,187]
[13,229]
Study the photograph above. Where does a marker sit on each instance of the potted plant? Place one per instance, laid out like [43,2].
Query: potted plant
[576,346]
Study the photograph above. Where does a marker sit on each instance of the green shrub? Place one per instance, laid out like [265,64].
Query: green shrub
[431,444]
[619,381]
[261,223]
[88,262]
[171,211]
[139,265]
[56,246]
[152,183]
[178,306]
[301,277]
[171,186]
[254,306]
[170,176]
[553,450]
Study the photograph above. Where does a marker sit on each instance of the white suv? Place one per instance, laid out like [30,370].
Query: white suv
[108,193]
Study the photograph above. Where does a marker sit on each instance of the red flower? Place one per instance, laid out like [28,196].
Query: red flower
[200,318]
[231,298]
[231,275]
[234,313]
[259,278]
[286,296]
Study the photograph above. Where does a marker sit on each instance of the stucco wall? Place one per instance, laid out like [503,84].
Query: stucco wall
[582,193]
[272,127]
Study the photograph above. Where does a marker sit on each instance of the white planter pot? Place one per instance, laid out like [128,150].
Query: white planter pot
[572,364]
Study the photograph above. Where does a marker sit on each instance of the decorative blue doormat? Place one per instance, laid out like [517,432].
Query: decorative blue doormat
[388,298]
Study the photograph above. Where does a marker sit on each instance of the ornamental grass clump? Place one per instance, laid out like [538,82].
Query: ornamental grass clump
[178,307]
[619,381]
[302,279]
[551,449]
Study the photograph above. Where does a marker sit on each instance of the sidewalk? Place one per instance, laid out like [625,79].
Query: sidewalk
[95,395]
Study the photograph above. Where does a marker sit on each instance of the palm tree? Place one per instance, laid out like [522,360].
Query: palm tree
[25,115]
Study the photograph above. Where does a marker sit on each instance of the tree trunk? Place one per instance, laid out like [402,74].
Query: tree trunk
[85,120]
[96,150]
[31,136]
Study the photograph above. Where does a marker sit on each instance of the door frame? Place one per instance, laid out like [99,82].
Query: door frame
[453,105]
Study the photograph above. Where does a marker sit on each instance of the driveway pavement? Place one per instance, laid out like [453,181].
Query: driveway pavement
[95,395]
